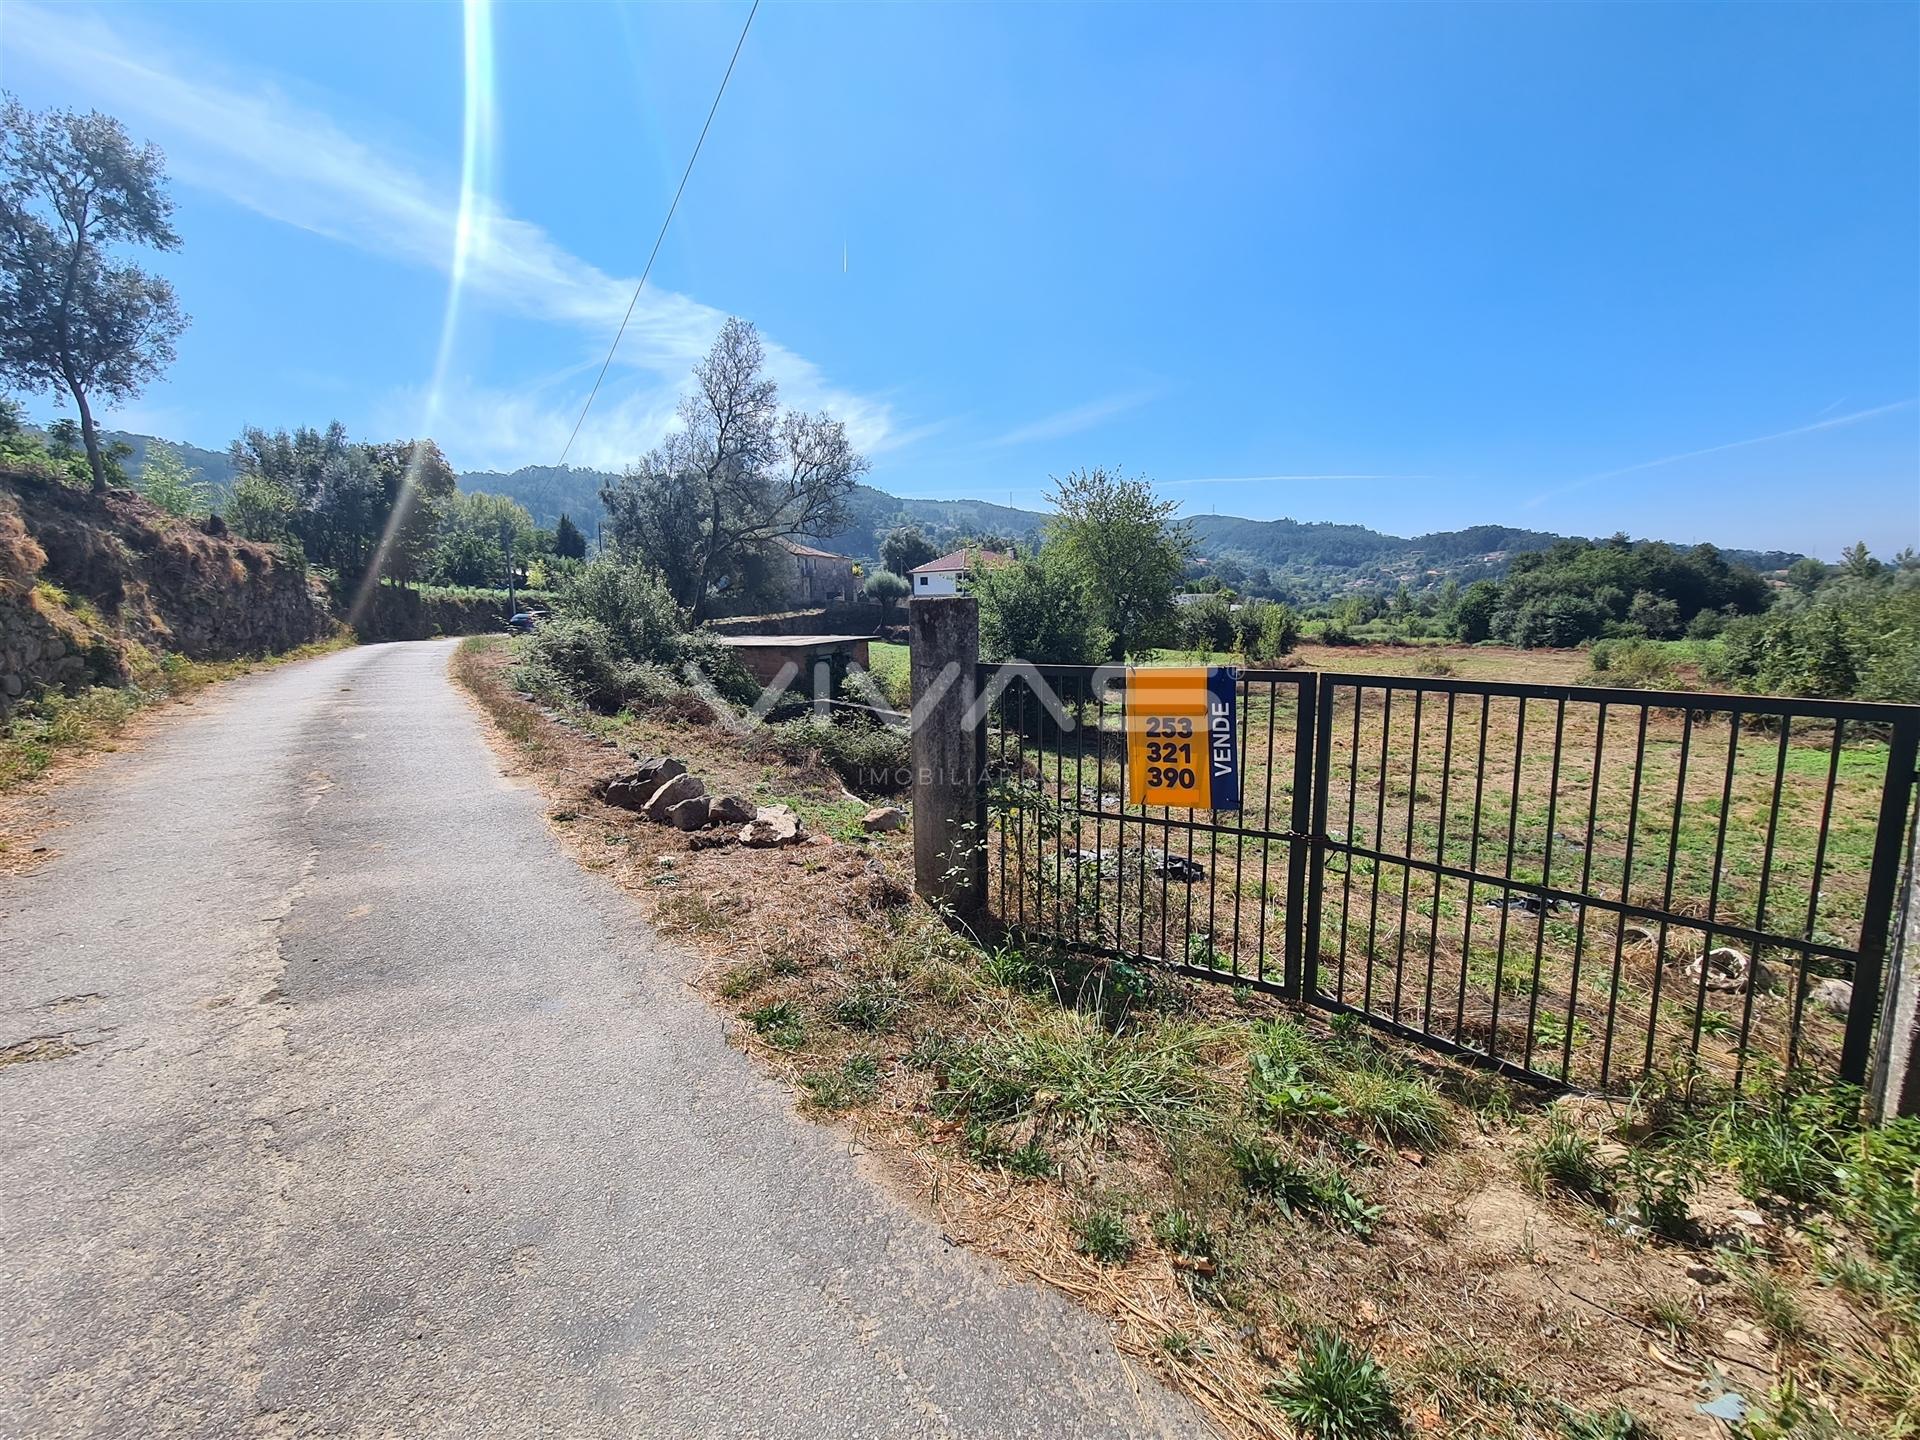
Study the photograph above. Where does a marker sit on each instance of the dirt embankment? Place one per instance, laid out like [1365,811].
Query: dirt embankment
[93,586]
[391,613]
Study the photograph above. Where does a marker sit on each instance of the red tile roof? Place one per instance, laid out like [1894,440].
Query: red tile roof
[961,560]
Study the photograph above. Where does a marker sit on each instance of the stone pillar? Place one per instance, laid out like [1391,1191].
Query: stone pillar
[1896,1079]
[949,844]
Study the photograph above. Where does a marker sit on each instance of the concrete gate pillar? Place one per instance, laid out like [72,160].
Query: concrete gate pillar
[949,844]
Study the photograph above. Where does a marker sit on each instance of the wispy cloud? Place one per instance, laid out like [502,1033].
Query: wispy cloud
[1282,479]
[1072,422]
[1832,424]
[251,142]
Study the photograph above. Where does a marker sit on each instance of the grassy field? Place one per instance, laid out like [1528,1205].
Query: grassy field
[1764,831]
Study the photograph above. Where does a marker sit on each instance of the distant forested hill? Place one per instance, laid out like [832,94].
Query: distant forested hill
[1303,560]
[211,465]
[547,491]
[945,522]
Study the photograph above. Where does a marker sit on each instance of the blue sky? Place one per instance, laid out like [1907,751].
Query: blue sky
[1643,267]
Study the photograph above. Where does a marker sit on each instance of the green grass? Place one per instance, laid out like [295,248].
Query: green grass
[871,1004]
[891,668]
[855,1083]
[1315,1189]
[1093,1079]
[1678,1316]
[1182,1232]
[1298,1080]
[1564,1161]
[1103,1233]
[1337,1391]
[1030,1158]
[781,1022]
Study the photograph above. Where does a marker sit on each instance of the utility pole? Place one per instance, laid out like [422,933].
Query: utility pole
[507,535]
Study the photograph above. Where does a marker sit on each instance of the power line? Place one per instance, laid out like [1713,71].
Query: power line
[661,237]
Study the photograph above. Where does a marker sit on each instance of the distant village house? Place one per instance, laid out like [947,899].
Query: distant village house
[820,576]
[949,574]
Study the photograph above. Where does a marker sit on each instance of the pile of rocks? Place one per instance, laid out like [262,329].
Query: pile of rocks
[661,790]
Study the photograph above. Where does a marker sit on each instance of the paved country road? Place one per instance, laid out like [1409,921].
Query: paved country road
[391,1120]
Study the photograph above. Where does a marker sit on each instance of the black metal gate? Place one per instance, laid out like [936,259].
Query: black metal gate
[1215,894]
[1576,885]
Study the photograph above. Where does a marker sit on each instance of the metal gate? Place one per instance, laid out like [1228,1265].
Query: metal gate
[1576,885]
[1213,894]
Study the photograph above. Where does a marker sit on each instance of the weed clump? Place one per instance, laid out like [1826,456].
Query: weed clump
[871,1005]
[1567,1162]
[1093,1079]
[781,1023]
[1337,1391]
[1317,1189]
[1103,1233]
[856,1082]
[1295,1079]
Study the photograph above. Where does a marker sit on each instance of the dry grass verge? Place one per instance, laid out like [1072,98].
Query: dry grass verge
[1302,1227]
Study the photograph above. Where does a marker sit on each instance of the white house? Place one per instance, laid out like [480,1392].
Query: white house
[948,575]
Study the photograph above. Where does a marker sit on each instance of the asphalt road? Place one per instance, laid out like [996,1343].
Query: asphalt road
[388,1119]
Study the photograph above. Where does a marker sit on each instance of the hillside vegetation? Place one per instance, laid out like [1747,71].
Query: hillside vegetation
[1293,560]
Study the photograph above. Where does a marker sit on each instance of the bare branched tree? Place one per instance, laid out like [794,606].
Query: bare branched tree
[738,476]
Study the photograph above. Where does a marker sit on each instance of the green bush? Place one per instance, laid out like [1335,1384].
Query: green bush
[616,639]
[1038,610]
[872,759]
[1856,638]
[1266,630]
[1630,665]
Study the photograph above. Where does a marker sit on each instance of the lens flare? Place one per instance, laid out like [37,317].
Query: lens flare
[471,228]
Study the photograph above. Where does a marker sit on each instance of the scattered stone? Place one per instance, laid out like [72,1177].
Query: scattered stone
[622,792]
[631,789]
[883,818]
[729,810]
[1178,867]
[1833,996]
[667,862]
[657,768]
[772,825]
[1705,1274]
[1528,904]
[1726,968]
[670,793]
[693,813]
[1750,1218]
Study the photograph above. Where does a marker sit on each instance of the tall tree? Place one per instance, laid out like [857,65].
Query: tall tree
[1127,549]
[905,548]
[736,476]
[568,542]
[477,534]
[72,317]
